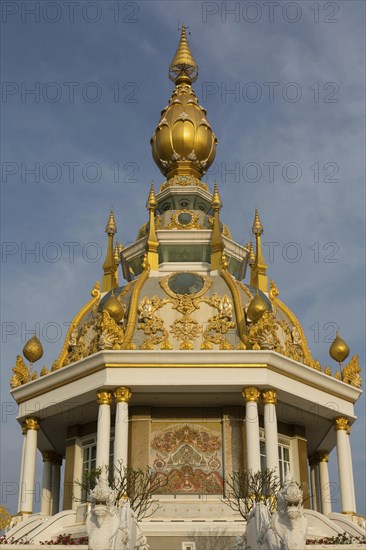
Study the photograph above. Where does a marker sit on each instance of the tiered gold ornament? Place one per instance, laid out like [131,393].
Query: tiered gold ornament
[183,143]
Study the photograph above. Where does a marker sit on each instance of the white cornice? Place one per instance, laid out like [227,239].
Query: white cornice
[227,364]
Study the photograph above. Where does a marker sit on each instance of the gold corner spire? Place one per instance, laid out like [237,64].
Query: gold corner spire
[251,259]
[110,277]
[217,243]
[183,67]
[152,240]
[258,275]
[111,227]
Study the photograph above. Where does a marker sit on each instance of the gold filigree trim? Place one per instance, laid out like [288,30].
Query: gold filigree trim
[95,293]
[238,306]
[351,373]
[176,224]
[133,309]
[152,325]
[21,373]
[299,333]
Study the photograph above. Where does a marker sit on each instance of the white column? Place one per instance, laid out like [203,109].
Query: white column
[24,432]
[104,400]
[313,484]
[251,396]
[323,457]
[29,470]
[344,466]
[46,497]
[354,509]
[56,478]
[269,398]
[77,474]
[122,396]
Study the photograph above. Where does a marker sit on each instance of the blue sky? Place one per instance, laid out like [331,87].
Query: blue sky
[291,142]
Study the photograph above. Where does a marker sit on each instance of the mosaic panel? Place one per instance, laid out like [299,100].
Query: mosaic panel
[188,456]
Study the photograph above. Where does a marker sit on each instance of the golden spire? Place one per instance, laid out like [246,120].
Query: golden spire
[110,277]
[258,275]
[251,260]
[217,243]
[183,67]
[152,240]
[116,254]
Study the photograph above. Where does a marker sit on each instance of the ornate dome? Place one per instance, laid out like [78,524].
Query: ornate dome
[183,142]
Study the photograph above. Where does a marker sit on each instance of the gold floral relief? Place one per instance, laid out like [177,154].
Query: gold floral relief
[152,325]
[218,325]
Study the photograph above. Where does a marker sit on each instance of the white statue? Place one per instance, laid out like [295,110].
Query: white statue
[102,521]
[286,528]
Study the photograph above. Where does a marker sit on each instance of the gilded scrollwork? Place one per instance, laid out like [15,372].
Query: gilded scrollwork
[186,330]
[298,336]
[152,325]
[218,326]
[21,373]
[351,373]
[111,333]
[264,333]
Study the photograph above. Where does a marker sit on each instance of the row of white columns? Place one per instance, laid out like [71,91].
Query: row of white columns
[269,399]
[319,475]
[321,489]
[51,473]
[121,395]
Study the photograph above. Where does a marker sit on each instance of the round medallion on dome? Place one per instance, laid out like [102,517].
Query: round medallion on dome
[186,283]
[185,218]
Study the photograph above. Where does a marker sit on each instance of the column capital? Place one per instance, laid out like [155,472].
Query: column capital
[47,456]
[56,459]
[122,394]
[251,394]
[30,423]
[341,423]
[269,397]
[313,460]
[322,456]
[104,397]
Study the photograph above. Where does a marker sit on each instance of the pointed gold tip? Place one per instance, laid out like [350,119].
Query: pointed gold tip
[257,225]
[116,253]
[216,203]
[151,201]
[111,227]
[183,67]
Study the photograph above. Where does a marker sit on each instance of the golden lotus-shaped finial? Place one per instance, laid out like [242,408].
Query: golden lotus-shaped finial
[339,350]
[33,349]
[114,307]
[257,307]
[183,143]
